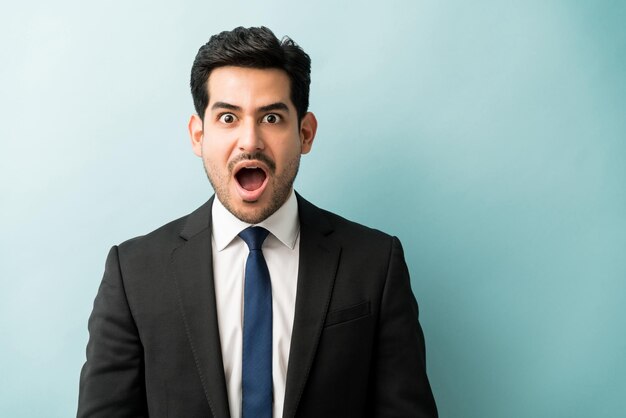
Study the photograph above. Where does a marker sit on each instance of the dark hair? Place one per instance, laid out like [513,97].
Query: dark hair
[253,48]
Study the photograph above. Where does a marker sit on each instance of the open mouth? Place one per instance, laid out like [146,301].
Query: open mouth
[250,178]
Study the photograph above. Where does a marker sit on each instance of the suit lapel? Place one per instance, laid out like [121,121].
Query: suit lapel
[192,269]
[319,257]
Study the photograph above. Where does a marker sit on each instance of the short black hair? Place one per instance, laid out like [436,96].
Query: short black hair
[252,48]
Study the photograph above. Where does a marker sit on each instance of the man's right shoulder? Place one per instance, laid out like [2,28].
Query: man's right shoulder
[163,240]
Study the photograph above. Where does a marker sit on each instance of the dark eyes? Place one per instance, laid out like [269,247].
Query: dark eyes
[271,118]
[229,118]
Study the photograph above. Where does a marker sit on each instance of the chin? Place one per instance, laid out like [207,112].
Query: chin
[246,211]
[251,216]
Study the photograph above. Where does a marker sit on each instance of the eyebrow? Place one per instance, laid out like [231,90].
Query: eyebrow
[274,106]
[224,105]
[267,108]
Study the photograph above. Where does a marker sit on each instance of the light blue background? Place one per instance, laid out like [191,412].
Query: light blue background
[489,136]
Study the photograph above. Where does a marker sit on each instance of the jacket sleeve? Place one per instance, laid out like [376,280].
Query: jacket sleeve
[399,384]
[112,378]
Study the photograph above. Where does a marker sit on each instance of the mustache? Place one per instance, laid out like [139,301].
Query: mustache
[258,156]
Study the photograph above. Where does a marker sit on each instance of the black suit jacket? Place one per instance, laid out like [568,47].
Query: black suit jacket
[357,348]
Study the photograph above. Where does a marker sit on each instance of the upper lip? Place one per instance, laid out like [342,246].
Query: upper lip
[250,164]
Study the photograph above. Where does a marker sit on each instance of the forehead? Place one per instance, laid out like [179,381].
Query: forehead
[248,86]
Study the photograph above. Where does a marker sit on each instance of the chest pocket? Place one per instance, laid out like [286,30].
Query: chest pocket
[340,316]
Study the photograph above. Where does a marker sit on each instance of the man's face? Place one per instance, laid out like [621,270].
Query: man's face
[250,140]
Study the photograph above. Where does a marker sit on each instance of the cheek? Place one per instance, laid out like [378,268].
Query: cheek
[216,151]
[287,148]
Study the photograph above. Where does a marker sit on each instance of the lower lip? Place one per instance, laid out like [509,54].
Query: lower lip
[251,196]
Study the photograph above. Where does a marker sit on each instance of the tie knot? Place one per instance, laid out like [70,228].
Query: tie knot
[254,237]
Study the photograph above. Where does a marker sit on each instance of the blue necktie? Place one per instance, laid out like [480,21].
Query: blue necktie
[256,385]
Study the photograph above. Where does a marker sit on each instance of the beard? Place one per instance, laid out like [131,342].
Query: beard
[279,185]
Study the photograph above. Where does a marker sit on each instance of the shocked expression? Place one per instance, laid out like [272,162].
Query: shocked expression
[250,140]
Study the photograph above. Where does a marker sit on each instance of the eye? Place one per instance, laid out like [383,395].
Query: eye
[227,118]
[271,118]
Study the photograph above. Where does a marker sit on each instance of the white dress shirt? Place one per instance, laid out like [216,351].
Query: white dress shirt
[281,250]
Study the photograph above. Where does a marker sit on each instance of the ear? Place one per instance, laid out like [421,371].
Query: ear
[308,128]
[196,134]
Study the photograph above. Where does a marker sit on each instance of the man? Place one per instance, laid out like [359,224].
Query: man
[258,304]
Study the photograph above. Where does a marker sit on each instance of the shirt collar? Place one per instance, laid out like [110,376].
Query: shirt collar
[283,223]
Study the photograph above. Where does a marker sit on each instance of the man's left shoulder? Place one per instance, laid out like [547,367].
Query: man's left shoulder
[342,230]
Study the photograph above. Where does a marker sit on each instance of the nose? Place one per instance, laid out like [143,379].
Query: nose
[250,137]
